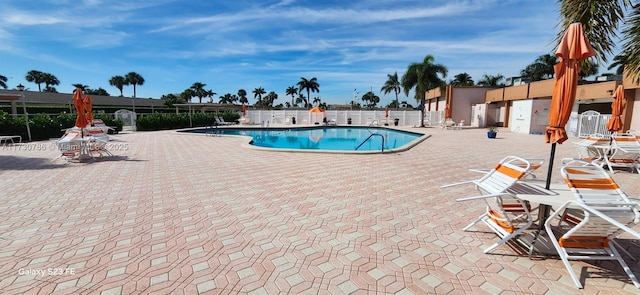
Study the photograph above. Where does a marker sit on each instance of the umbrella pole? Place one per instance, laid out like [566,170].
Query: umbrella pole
[549,172]
[544,210]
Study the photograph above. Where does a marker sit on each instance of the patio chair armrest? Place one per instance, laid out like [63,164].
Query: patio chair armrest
[481,197]
[457,183]
[593,211]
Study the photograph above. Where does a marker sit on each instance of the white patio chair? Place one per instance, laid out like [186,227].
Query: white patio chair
[625,152]
[586,228]
[505,215]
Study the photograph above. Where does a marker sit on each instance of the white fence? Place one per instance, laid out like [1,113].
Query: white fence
[592,122]
[359,117]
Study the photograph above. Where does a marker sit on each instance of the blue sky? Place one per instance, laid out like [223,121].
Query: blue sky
[245,44]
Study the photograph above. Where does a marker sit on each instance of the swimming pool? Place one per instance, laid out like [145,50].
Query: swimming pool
[324,138]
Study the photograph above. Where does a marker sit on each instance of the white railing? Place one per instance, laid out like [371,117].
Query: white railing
[592,122]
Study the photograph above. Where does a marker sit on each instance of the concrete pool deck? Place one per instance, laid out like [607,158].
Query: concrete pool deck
[188,214]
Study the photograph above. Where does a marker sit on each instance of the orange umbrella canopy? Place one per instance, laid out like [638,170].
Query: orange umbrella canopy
[573,48]
[386,112]
[618,104]
[87,102]
[81,119]
[244,109]
[316,110]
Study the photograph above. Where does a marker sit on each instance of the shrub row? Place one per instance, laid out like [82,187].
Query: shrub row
[159,121]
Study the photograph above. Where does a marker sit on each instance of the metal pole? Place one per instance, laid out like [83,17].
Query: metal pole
[26,115]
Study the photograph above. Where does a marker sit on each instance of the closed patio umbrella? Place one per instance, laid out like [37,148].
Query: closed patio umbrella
[87,102]
[573,48]
[619,101]
[81,118]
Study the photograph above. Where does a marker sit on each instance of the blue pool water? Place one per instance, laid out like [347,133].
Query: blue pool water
[323,138]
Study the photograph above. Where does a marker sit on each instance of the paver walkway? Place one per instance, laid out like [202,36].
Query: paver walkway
[188,214]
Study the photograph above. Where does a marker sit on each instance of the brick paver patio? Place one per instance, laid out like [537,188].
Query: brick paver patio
[192,214]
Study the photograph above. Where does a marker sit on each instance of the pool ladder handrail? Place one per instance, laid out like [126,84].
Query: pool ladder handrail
[211,130]
[372,134]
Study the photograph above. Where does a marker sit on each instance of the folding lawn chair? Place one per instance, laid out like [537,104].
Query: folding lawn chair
[588,226]
[506,215]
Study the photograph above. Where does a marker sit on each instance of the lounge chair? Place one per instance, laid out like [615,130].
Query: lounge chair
[625,152]
[68,148]
[7,138]
[590,149]
[221,121]
[586,228]
[506,215]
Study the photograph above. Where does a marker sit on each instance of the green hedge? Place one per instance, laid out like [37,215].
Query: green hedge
[44,126]
[160,121]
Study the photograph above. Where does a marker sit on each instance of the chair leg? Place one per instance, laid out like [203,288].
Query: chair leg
[563,255]
[624,265]
[474,222]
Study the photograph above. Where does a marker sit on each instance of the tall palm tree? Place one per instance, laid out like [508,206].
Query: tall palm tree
[118,82]
[310,85]
[35,77]
[462,79]
[3,81]
[491,80]
[392,84]
[49,80]
[292,90]
[258,92]
[198,90]
[133,78]
[242,94]
[423,76]
[317,101]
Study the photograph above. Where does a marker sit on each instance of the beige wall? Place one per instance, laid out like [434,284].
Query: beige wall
[596,90]
[462,99]
[516,92]
[541,89]
[495,95]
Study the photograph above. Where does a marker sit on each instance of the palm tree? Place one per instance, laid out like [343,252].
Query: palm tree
[300,99]
[3,81]
[462,79]
[588,68]
[187,94]
[370,99]
[270,98]
[225,98]
[292,90]
[491,80]
[133,78]
[35,77]
[317,101]
[258,92]
[209,93]
[423,76]
[310,85]
[601,21]
[541,68]
[79,85]
[392,84]
[198,90]
[49,80]
[242,94]
[618,63]
[118,82]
